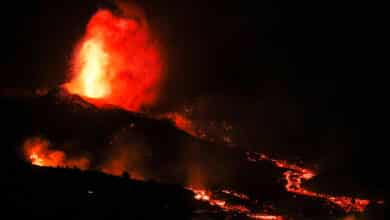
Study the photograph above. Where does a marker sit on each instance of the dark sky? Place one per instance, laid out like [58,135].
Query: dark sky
[312,64]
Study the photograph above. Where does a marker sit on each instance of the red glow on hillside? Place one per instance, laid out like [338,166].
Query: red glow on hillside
[117,167]
[38,153]
[116,63]
[182,123]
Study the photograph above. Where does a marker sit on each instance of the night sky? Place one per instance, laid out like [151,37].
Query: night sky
[301,77]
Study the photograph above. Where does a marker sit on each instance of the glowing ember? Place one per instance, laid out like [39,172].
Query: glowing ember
[295,175]
[38,153]
[116,63]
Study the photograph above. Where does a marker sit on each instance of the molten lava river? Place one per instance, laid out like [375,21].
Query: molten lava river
[118,63]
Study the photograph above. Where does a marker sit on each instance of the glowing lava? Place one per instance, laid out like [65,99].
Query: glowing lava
[209,197]
[295,175]
[236,194]
[117,62]
[38,153]
[265,217]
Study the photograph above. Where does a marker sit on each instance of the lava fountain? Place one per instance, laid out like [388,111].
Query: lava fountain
[117,62]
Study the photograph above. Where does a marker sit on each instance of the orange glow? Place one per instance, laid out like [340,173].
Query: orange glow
[38,153]
[36,159]
[295,175]
[117,167]
[116,63]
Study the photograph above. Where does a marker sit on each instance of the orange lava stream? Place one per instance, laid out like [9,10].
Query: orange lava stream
[207,196]
[295,175]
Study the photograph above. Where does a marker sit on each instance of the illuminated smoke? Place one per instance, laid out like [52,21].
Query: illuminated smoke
[126,154]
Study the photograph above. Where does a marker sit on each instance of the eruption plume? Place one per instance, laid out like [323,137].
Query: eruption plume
[117,62]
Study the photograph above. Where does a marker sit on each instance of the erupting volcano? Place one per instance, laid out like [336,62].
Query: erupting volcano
[117,62]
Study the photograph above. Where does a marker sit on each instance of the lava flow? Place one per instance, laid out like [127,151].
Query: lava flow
[117,62]
[209,197]
[295,175]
